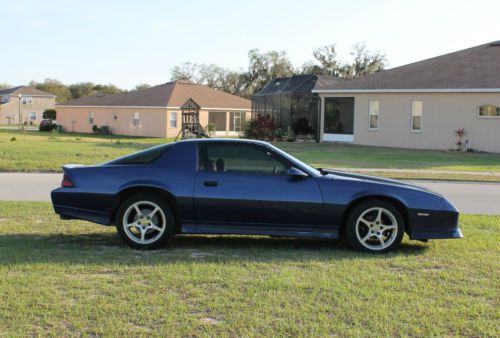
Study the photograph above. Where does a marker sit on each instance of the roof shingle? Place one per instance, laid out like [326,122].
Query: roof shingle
[25,90]
[171,94]
[473,68]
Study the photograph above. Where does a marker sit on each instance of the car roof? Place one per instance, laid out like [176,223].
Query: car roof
[221,139]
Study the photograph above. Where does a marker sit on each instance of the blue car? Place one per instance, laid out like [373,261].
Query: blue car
[247,187]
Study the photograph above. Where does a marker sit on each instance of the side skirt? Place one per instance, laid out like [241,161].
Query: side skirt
[310,232]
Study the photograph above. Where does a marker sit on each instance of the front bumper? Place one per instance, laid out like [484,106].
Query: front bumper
[435,224]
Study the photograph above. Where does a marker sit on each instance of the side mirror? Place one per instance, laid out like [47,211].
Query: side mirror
[296,173]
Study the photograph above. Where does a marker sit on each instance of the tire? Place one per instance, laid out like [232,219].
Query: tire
[145,221]
[375,226]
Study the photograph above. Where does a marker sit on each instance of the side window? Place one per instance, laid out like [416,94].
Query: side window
[135,120]
[373,114]
[238,157]
[416,115]
[173,120]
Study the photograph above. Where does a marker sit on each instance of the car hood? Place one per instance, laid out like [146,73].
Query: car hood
[338,174]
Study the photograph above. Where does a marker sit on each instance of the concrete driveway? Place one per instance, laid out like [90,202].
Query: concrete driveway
[470,198]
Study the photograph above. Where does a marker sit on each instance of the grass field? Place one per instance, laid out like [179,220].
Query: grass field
[35,151]
[67,278]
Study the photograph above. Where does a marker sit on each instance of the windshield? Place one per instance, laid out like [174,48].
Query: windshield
[303,165]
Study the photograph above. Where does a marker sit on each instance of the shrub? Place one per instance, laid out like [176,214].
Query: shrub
[102,130]
[210,129]
[262,128]
[49,114]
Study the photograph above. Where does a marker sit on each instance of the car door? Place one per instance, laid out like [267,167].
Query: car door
[242,184]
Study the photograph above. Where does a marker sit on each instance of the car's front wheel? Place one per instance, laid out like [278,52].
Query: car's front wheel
[144,221]
[375,226]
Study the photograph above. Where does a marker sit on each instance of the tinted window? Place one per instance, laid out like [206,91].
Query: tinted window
[239,157]
[141,157]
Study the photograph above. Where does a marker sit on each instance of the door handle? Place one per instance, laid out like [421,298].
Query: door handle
[210,183]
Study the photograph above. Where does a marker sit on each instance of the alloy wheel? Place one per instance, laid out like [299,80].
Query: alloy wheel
[144,222]
[376,228]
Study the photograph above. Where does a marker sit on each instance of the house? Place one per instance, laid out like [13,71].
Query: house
[155,111]
[289,99]
[24,103]
[419,105]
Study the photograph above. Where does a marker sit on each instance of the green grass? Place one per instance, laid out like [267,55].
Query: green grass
[48,151]
[72,278]
[36,151]
[348,156]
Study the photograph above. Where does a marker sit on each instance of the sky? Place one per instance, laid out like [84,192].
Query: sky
[131,42]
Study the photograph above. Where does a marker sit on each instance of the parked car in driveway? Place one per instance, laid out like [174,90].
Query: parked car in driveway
[246,187]
[47,125]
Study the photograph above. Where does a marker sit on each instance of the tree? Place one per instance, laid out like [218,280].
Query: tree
[364,62]
[107,89]
[5,86]
[185,71]
[263,67]
[141,86]
[49,114]
[54,87]
[235,83]
[211,75]
[327,58]
[82,89]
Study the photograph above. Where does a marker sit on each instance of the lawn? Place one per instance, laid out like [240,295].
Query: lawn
[36,151]
[349,156]
[71,278]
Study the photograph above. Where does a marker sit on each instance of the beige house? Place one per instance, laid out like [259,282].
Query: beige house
[155,111]
[419,105]
[24,103]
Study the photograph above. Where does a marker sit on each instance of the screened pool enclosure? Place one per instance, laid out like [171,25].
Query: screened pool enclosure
[290,103]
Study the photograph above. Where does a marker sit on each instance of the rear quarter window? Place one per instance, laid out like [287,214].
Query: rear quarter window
[142,157]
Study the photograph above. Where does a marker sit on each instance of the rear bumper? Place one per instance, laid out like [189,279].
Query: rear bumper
[69,203]
[83,214]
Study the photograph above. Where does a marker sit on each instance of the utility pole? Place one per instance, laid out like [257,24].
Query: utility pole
[20,115]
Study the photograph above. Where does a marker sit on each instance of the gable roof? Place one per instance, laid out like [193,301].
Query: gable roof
[25,91]
[171,94]
[474,69]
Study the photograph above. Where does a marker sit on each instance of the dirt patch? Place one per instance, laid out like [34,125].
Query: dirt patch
[210,321]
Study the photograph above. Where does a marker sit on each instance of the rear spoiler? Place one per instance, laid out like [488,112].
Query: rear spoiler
[71,166]
[68,179]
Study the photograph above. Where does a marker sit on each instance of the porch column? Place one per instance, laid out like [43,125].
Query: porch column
[228,114]
[321,118]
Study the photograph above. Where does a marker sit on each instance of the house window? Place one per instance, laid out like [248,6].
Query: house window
[136,119]
[416,115]
[33,116]
[91,117]
[115,115]
[27,100]
[488,110]
[373,114]
[237,121]
[173,120]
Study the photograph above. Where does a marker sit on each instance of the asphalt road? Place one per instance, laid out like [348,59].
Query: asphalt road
[471,198]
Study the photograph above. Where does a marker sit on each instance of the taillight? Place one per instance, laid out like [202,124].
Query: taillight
[67,182]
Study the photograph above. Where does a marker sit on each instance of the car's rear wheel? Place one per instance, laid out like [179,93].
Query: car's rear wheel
[375,226]
[145,221]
